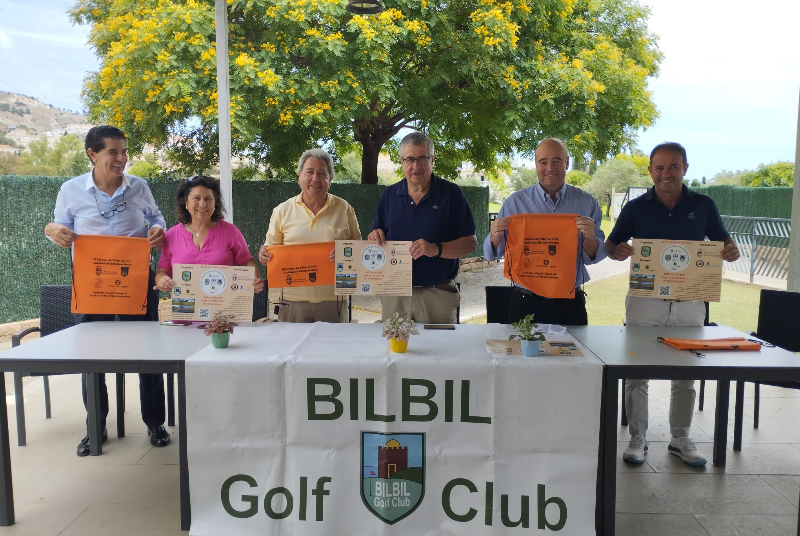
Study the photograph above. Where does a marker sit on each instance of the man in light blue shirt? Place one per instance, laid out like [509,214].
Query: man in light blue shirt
[551,195]
[105,201]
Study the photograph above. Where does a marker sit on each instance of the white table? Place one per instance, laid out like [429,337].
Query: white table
[103,347]
[633,352]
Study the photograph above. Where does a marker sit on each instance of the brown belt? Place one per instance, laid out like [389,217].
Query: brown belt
[447,285]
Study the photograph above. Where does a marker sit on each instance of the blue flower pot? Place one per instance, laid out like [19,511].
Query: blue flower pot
[530,348]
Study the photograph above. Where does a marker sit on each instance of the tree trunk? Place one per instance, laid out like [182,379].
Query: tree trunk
[369,163]
[372,133]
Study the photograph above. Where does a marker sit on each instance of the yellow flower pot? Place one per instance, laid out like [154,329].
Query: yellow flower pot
[398,346]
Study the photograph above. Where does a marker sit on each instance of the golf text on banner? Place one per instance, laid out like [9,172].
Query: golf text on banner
[109,275]
[541,252]
[300,265]
[318,430]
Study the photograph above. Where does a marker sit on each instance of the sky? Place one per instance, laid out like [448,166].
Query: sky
[728,88]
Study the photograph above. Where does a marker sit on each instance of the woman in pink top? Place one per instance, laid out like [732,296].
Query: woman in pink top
[202,236]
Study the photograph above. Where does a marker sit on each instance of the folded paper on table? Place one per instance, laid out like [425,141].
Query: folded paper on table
[541,253]
[110,274]
[730,343]
[300,265]
[547,348]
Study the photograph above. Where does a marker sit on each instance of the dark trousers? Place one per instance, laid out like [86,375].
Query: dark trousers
[151,386]
[563,311]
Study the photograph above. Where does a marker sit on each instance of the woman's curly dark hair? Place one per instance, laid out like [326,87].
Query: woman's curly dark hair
[182,194]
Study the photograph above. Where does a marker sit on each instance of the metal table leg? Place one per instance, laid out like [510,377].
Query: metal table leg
[608,432]
[93,402]
[721,422]
[186,506]
[7,489]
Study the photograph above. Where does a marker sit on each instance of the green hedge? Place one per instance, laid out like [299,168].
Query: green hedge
[774,202]
[28,260]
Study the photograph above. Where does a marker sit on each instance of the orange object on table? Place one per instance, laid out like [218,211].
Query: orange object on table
[730,343]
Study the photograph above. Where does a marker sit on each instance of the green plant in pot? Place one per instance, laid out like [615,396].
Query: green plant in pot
[220,329]
[530,338]
[398,329]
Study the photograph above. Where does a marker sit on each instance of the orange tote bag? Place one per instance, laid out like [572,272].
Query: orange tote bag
[300,265]
[109,275]
[541,253]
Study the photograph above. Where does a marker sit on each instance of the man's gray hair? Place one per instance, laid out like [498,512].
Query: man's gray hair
[415,138]
[316,153]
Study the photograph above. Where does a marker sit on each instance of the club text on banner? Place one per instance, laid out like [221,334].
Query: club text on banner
[300,265]
[317,429]
[109,275]
[541,253]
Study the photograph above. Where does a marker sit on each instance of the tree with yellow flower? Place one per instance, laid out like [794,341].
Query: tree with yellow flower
[483,78]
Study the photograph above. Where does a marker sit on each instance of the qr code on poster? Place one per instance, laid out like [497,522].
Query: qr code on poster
[205,313]
[663,290]
[365,288]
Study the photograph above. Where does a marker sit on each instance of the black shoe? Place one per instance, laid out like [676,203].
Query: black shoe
[84,446]
[159,437]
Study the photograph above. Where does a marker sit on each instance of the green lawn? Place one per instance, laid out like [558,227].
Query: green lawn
[605,303]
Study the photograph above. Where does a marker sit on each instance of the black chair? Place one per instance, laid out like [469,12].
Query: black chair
[498,302]
[624,416]
[778,324]
[54,315]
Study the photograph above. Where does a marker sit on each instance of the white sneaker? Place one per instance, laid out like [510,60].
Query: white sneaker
[637,448]
[686,449]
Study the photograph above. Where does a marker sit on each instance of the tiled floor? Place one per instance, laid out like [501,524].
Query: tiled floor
[132,489]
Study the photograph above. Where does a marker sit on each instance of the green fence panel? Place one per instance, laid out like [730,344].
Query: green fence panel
[774,202]
[28,260]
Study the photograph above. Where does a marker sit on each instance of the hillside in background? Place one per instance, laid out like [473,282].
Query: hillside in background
[25,119]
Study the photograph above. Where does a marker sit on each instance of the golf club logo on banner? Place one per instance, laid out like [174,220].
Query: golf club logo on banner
[393,474]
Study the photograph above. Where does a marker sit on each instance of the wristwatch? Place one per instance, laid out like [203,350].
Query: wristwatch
[438,245]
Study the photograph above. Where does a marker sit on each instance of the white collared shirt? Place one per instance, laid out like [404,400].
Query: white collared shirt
[79,203]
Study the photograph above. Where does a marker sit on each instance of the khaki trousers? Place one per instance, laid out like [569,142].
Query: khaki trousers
[426,305]
[655,312]
[300,312]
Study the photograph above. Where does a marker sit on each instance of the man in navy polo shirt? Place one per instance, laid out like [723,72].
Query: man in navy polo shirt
[668,211]
[432,213]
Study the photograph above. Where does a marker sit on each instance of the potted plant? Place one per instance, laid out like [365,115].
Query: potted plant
[398,329]
[530,338]
[220,329]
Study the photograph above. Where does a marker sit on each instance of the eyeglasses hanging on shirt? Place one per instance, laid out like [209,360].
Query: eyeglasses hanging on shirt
[111,210]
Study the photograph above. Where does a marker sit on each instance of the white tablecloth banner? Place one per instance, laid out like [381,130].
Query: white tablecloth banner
[319,429]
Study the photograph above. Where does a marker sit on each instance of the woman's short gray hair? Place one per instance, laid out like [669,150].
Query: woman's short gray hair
[316,153]
[415,138]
